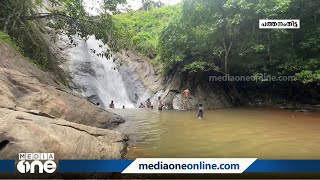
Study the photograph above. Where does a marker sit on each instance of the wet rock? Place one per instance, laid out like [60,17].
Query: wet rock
[301,110]
[170,87]
[177,102]
[87,68]
[136,90]
[146,72]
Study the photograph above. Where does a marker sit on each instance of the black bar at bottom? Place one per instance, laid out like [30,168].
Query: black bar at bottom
[161,176]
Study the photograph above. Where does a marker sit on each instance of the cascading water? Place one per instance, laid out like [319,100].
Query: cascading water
[97,76]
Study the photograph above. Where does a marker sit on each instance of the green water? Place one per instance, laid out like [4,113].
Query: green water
[259,133]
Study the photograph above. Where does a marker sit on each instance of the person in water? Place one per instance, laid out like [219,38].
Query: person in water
[111,105]
[186,95]
[123,107]
[148,102]
[200,112]
[160,104]
[141,105]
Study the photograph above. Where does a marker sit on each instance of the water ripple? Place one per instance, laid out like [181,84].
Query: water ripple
[222,133]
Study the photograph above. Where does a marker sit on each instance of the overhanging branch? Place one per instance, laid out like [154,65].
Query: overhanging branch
[49,15]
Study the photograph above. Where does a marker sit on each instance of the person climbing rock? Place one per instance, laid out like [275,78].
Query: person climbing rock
[186,95]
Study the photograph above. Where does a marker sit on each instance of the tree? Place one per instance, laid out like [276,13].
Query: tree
[62,15]
[148,5]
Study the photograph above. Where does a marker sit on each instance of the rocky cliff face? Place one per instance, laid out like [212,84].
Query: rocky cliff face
[39,114]
[145,81]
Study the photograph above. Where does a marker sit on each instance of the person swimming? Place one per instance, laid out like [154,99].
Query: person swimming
[200,112]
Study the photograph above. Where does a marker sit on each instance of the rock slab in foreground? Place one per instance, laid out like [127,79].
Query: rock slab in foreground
[25,132]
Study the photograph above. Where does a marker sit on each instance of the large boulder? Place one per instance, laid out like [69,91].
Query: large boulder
[23,131]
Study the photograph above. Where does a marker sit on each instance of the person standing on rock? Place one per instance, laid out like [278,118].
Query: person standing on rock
[186,95]
[111,105]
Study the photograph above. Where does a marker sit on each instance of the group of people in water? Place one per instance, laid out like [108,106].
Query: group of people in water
[111,105]
[148,104]
[161,104]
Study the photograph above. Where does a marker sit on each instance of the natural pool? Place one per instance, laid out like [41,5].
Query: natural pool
[234,132]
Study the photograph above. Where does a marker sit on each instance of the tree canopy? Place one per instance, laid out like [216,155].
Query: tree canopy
[19,17]
[223,36]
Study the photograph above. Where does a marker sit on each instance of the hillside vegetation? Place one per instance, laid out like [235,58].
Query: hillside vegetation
[224,36]
[141,29]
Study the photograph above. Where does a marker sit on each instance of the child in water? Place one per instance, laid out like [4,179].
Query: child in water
[200,111]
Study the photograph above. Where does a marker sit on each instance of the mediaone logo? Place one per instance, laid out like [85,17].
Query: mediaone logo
[29,162]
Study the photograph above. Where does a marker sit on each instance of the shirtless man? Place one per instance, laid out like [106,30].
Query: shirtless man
[186,95]
[148,102]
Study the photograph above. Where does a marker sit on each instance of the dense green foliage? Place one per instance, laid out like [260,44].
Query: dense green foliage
[141,29]
[24,21]
[225,33]
[5,38]
[224,36]
[196,36]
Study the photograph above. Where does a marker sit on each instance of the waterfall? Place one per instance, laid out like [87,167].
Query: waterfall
[98,77]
